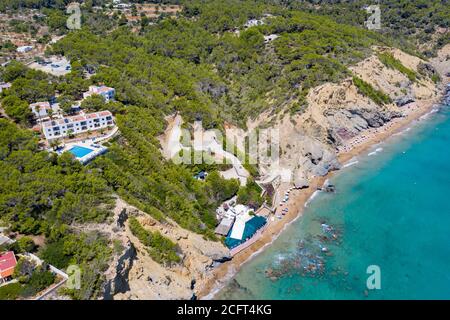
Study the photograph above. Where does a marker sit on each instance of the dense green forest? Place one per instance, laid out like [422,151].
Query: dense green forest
[205,64]
[407,22]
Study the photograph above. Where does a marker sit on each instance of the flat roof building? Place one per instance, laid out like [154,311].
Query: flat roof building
[224,227]
[60,128]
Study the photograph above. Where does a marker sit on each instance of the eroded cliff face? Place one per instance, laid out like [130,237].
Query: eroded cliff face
[137,276]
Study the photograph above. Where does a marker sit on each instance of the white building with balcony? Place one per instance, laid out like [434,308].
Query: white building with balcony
[60,128]
[24,49]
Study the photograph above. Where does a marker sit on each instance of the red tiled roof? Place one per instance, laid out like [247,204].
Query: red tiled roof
[7,264]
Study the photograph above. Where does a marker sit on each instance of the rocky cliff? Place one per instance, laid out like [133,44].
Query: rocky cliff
[135,275]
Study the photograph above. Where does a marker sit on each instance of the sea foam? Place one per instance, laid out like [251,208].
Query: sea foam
[349,164]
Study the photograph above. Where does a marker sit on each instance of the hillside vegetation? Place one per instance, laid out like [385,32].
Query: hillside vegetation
[366,89]
[206,65]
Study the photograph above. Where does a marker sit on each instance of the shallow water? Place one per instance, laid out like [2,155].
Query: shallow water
[391,210]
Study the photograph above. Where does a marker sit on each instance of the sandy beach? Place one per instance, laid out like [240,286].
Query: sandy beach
[219,276]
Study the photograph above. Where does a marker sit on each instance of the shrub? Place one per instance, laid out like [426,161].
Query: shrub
[39,280]
[23,270]
[366,89]
[250,195]
[25,244]
[54,254]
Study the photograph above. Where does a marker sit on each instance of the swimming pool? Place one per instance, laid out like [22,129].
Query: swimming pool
[80,152]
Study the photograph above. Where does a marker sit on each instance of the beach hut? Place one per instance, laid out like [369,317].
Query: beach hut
[224,227]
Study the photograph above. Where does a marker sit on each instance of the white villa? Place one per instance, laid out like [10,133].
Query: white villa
[229,218]
[60,128]
[106,92]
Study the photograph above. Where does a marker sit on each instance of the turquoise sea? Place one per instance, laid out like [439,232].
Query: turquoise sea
[391,209]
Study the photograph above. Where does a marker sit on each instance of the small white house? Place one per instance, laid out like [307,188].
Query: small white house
[24,49]
[106,92]
[253,23]
[40,109]
[270,38]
